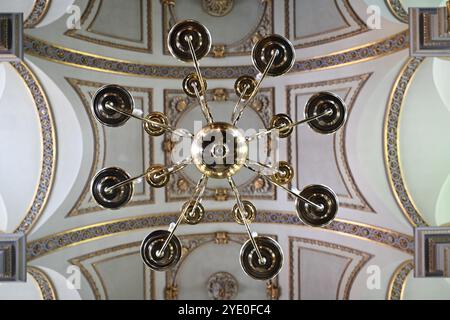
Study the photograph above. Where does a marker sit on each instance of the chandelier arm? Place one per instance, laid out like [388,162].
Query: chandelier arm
[198,192]
[235,119]
[125,182]
[175,168]
[258,84]
[295,194]
[247,227]
[292,125]
[180,133]
[263,165]
[202,94]
[203,105]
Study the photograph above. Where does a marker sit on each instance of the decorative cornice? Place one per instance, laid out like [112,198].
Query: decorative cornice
[38,13]
[398,280]
[391,143]
[45,284]
[397,10]
[39,48]
[48,147]
[68,238]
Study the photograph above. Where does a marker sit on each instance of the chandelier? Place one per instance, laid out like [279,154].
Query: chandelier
[219,150]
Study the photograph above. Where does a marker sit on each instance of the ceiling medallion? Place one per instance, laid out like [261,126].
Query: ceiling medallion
[222,286]
[219,150]
[217,8]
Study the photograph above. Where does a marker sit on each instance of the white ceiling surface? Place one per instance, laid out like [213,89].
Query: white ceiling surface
[21,142]
[423,131]
[364,147]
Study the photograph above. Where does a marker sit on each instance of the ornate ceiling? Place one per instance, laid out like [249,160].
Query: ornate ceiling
[55,147]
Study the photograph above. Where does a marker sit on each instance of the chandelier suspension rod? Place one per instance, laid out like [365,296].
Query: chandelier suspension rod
[202,94]
[183,133]
[125,182]
[292,125]
[198,192]
[235,109]
[258,84]
[295,194]
[203,105]
[241,207]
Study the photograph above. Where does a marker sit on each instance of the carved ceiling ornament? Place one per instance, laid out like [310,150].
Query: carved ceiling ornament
[222,286]
[217,8]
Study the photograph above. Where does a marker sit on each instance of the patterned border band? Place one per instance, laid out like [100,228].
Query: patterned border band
[48,147]
[38,13]
[43,246]
[46,286]
[42,49]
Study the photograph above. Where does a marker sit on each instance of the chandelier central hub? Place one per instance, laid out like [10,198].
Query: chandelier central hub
[219,150]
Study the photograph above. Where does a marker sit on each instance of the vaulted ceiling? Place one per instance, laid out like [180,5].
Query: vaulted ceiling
[55,146]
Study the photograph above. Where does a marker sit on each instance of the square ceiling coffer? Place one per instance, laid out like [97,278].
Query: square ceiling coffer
[13,257]
[11,36]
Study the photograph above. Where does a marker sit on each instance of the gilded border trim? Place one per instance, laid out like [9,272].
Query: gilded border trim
[365,257]
[38,13]
[145,29]
[339,146]
[397,283]
[78,261]
[76,85]
[76,236]
[44,282]
[48,147]
[347,6]
[397,10]
[45,50]
[391,143]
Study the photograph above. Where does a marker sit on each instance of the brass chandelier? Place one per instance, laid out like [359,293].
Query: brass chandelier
[219,150]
